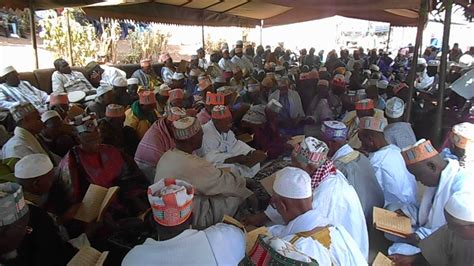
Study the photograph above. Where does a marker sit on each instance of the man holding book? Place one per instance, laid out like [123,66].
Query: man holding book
[442,178]
[171,216]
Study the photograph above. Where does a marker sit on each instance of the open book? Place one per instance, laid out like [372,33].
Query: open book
[392,222]
[95,203]
[382,260]
[251,233]
[267,184]
[88,256]
[246,137]
[293,141]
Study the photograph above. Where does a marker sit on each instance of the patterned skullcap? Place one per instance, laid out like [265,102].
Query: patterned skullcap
[186,128]
[215,98]
[147,97]
[311,151]
[175,113]
[20,110]
[114,110]
[420,151]
[85,123]
[275,106]
[176,94]
[373,123]
[394,107]
[58,98]
[365,104]
[171,201]
[463,135]
[255,115]
[220,112]
[334,130]
[204,82]
[12,203]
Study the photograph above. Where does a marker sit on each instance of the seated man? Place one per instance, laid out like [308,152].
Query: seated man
[94,163]
[398,132]
[333,198]
[217,192]
[56,136]
[354,165]
[168,68]
[363,108]
[104,97]
[292,113]
[101,76]
[132,88]
[219,244]
[146,75]
[176,98]
[24,140]
[114,133]
[29,235]
[263,122]
[442,178]
[162,96]
[66,80]
[59,102]
[304,227]
[372,92]
[452,244]
[397,183]
[142,113]
[212,99]
[15,91]
[460,144]
[121,95]
[156,141]
[221,148]
[319,110]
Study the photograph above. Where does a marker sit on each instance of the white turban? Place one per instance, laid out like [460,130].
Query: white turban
[292,183]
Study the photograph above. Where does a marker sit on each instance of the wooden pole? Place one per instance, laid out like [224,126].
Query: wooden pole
[388,39]
[202,31]
[423,15]
[261,31]
[69,40]
[33,32]
[438,127]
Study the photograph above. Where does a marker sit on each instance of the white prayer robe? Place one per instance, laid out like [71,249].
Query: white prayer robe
[217,147]
[167,75]
[423,82]
[110,74]
[342,251]
[398,185]
[226,64]
[75,81]
[296,107]
[431,215]
[220,244]
[336,200]
[21,144]
[25,92]
[243,62]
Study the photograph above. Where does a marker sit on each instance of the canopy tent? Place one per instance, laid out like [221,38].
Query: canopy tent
[251,12]
[45,4]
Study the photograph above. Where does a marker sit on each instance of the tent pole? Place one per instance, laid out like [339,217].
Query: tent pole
[438,128]
[423,15]
[69,40]
[389,33]
[261,31]
[203,39]
[33,32]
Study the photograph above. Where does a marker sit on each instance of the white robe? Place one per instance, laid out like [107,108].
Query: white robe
[226,64]
[431,215]
[75,81]
[110,74]
[342,251]
[296,107]
[398,185]
[217,147]
[24,92]
[336,200]
[21,144]
[220,244]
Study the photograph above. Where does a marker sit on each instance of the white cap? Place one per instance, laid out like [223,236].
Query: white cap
[76,96]
[433,63]
[382,84]
[33,165]
[132,81]
[421,61]
[194,72]
[461,206]
[6,70]
[374,68]
[274,105]
[103,89]
[177,76]
[48,115]
[120,82]
[220,79]
[292,183]
[394,107]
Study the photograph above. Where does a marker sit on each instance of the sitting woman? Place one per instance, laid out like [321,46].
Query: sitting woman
[91,162]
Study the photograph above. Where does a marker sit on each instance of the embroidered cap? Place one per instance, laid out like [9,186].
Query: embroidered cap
[275,106]
[394,107]
[214,98]
[120,82]
[220,112]
[418,152]
[85,123]
[114,110]
[311,151]
[20,110]
[204,82]
[463,135]
[373,123]
[176,94]
[171,201]
[292,183]
[255,115]
[147,97]
[48,115]
[12,203]
[365,104]
[382,84]
[58,98]
[186,127]
[374,68]
[163,90]
[175,113]
[334,130]
[164,57]
[32,166]
[460,206]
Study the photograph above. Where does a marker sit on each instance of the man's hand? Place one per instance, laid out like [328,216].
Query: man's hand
[236,159]
[255,157]
[403,260]
[413,239]
[259,219]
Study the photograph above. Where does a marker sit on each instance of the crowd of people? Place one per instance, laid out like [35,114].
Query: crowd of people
[187,147]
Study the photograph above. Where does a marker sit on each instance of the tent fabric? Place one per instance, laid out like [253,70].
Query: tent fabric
[46,4]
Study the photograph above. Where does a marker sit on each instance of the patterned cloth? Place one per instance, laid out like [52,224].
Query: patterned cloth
[321,173]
